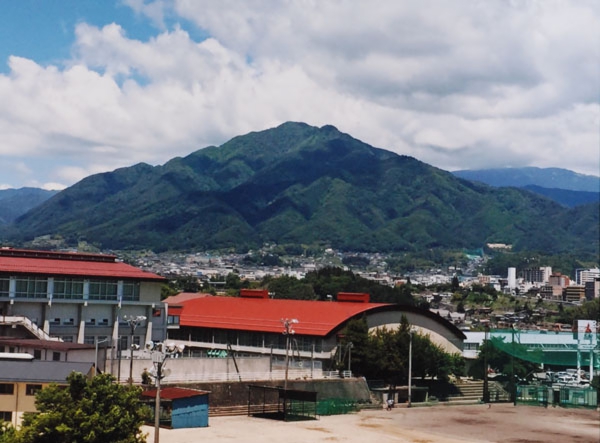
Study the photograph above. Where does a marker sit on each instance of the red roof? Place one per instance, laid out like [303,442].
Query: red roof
[318,318]
[184,296]
[73,267]
[174,393]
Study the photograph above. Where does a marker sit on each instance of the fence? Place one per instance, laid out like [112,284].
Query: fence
[565,396]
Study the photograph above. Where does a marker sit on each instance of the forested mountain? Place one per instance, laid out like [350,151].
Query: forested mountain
[297,184]
[16,202]
[561,185]
[551,178]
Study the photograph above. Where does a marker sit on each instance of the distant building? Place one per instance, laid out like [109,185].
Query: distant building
[582,276]
[536,275]
[574,293]
[512,278]
[557,279]
[551,292]
[592,289]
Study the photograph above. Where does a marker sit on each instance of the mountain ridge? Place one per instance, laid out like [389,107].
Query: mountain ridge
[300,184]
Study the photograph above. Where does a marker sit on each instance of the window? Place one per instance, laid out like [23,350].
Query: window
[4,285]
[68,288]
[56,356]
[6,416]
[173,320]
[67,338]
[31,287]
[103,290]
[37,354]
[32,389]
[131,291]
[89,340]
[7,389]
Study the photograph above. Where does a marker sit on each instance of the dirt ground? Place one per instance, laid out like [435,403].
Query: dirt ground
[502,423]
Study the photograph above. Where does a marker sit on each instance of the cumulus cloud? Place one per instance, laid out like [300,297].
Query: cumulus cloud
[459,85]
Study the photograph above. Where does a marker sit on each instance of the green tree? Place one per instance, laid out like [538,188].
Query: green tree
[90,411]
[7,433]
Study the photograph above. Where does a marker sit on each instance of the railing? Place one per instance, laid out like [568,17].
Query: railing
[29,325]
[293,374]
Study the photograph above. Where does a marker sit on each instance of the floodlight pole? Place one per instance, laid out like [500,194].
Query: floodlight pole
[410,333]
[486,392]
[96,359]
[133,322]
[514,385]
[160,353]
[350,346]
[287,331]
[159,375]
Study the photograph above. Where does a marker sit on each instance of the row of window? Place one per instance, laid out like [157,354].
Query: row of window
[247,338]
[9,389]
[70,289]
[37,353]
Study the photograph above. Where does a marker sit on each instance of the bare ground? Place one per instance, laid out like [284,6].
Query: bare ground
[502,423]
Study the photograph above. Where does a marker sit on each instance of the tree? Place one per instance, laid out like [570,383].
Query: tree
[90,411]
[7,433]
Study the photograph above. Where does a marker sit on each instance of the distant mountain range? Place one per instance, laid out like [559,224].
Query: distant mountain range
[16,202]
[561,185]
[302,185]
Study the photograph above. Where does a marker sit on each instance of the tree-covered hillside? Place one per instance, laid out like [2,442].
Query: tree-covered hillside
[297,184]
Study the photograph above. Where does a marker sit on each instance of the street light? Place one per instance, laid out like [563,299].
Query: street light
[133,321]
[160,353]
[486,392]
[350,346]
[96,359]
[410,333]
[287,331]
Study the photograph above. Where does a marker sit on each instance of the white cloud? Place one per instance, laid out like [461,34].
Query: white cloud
[461,84]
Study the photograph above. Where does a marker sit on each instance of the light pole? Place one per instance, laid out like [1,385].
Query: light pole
[160,353]
[350,346]
[410,333]
[486,393]
[133,321]
[96,359]
[287,331]
[512,364]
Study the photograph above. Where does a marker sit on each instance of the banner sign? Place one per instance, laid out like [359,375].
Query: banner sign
[587,337]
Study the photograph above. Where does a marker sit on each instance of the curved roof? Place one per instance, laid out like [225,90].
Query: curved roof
[264,315]
[316,318]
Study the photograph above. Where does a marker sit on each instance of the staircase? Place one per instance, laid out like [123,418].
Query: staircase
[469,392]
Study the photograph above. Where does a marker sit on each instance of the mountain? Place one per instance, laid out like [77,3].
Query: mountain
[566,197]
[16,202]
[552,178]
[298,184]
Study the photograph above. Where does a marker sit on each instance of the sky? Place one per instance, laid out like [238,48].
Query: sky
[89,86]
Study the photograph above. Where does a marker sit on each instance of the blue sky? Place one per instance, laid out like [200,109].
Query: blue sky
[90,86]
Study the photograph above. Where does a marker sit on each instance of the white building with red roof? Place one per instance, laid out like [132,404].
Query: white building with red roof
[78,298]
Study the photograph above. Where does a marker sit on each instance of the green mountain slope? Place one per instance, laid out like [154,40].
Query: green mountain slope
[16,202]
[301,184]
